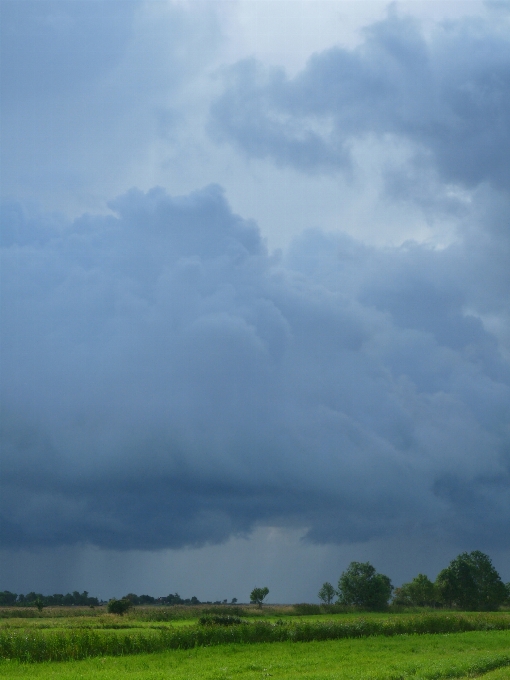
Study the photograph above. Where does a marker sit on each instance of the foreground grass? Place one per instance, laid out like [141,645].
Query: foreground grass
[501,674]
[424,657]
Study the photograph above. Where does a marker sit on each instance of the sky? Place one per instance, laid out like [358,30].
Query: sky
[255,310]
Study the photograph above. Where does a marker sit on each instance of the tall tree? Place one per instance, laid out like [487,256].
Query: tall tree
[258,594]
[471,582]
[360,585]
[420,592]
[327,593]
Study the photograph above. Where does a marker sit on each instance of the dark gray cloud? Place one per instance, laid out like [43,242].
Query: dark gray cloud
[168,382]
[447,94]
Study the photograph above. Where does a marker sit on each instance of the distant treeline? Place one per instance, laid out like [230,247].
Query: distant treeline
[168,600]
[8,599]
[470,582]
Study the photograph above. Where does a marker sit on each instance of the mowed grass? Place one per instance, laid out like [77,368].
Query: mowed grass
[417,657]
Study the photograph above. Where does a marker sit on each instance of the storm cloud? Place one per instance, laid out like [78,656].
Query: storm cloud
[169,379]
[446,94]
[168,382]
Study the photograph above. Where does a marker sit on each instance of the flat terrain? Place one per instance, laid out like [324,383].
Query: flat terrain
[416,657]
[389,656]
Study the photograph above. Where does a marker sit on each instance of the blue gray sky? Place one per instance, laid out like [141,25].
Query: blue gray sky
[255,293]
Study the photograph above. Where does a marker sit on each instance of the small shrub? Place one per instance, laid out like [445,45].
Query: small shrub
[119,606]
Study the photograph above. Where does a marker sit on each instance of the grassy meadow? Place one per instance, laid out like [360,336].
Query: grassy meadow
[152,643]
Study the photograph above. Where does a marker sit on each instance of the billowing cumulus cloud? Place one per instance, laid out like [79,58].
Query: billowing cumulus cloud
[167,382]
[446,94]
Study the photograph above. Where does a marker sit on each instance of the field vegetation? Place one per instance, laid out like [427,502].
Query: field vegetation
[417,657]
[46,639]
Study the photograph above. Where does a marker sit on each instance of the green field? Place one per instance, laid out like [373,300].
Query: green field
[459,655]
[371,646]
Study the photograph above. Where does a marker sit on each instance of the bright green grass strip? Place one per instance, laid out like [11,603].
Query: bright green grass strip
[500,674]
[426,657]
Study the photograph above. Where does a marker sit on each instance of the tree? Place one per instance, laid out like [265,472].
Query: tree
[174,599]
[471,582]
[257,595]
[327,593]
[39,603]
[360,585]
[420,592]
[8,599]
[132,597]
[119,606]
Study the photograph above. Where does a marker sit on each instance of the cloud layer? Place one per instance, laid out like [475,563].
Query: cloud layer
[167,382]
[446,94]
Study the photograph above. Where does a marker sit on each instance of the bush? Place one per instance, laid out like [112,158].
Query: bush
[119,606]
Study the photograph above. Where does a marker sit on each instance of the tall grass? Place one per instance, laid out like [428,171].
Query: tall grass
[49,612]
[33,645]
[138,613]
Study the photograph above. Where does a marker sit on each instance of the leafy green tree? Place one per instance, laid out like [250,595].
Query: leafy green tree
[257,595]
[471,582]
[173,599]
[39,603]
[146,599]
[119,606]
[132,597]
[327,593]
[360,585]
[8,599]
[420,592]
